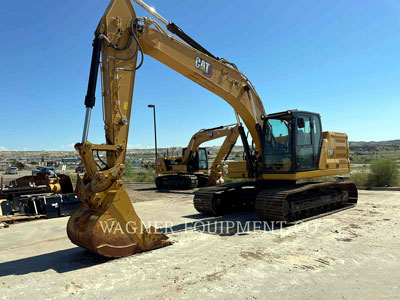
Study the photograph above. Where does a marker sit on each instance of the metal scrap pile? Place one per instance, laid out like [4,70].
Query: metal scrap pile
[43,195]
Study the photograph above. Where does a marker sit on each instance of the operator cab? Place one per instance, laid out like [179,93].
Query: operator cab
[199,161]
[292,142]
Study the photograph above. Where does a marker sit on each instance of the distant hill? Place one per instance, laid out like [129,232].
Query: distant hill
[393,145]
[148,154]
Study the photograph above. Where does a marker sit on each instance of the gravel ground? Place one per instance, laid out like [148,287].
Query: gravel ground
[354,254]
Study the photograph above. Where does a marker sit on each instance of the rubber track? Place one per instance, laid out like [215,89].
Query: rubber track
[181,181]
[206,200]
[274,204]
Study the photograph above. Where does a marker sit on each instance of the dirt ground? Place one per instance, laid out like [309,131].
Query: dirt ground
[354,254]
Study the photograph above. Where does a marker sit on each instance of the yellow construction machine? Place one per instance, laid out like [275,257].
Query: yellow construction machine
[288,146]
[191,169]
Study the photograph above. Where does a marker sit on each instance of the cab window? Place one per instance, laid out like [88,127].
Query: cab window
[316,137]
[203,163]
[304,134]
[304,147]
[277,145]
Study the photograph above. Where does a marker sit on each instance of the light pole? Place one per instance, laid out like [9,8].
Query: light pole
[155,128]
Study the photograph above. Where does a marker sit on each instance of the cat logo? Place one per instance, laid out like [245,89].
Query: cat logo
[204,66]
[210,134]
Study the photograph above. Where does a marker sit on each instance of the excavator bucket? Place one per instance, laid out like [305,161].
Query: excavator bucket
[114,229]
[107,223]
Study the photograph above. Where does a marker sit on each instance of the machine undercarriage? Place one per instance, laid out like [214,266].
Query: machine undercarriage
[277,200]
[181,181]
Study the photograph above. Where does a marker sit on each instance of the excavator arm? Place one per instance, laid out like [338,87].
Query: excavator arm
[223,153]
[107,223]
[207,135]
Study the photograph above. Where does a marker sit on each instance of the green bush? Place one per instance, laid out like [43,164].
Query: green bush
[131,176]
[360,178]
[383,172]
[145,176]
[128,168]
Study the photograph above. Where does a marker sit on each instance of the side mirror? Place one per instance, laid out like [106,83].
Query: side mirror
[300,123]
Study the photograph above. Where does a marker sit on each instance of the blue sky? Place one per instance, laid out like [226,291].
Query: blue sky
[338,58]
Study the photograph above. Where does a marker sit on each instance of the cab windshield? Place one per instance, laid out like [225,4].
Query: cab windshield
[277,145]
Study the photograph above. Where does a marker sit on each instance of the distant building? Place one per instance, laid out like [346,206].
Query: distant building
[70,160]
[52,163]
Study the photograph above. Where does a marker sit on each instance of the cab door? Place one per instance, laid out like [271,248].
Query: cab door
[304,147]
[199,161]
[308,142]
[202,159]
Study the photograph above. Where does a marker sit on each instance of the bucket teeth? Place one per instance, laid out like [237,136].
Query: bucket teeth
[113,229]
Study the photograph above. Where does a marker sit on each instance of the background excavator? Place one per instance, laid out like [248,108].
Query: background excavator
[288,146]
[191,169]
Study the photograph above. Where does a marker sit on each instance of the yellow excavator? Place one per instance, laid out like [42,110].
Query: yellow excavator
[191,169]
[288,145]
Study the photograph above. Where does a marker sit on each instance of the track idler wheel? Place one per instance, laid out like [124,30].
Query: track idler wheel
[113,229]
